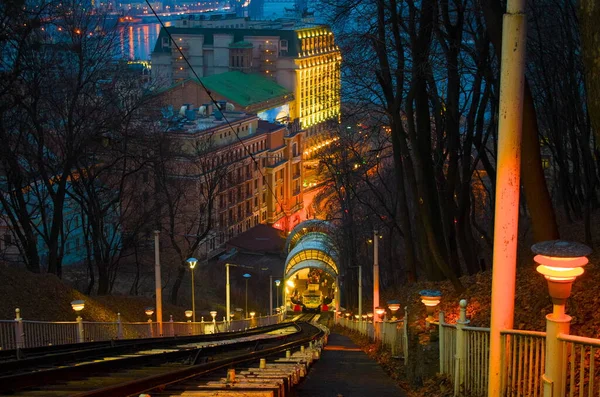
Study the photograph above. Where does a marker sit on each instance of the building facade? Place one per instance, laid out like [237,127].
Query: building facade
[259,168]
[303,59]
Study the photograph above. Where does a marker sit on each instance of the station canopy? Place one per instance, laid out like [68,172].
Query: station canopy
[310,245]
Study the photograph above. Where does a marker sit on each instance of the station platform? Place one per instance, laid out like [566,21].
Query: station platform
[344,370]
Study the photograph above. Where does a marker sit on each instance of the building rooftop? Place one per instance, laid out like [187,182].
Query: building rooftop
[287,32]
[245,89]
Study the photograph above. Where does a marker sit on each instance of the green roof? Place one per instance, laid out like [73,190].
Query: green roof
[241,44]
[245,89]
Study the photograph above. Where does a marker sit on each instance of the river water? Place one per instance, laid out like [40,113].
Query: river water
[137,40]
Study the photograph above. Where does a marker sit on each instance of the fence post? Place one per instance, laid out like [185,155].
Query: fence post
[151,332]
[19,335]
[119,327]
[80,337]
[441,343]
[459,377]
[171,326]
[405,335]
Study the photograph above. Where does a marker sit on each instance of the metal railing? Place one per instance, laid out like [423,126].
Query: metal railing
[581,376]
[20,333]
[522,362]
[477,342]
[391,334]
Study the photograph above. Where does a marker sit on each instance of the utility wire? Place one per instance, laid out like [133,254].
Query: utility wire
[218,107]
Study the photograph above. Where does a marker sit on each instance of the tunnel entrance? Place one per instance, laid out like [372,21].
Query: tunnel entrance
[311,273]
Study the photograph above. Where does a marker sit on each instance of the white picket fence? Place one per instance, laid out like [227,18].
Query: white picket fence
[391,334]
[20,333]
[464,357]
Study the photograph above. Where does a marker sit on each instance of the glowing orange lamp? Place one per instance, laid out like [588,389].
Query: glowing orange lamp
[394,306]
[430,299]
[380,311]
[561,263]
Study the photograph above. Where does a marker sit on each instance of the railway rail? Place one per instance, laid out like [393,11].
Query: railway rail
[125,370]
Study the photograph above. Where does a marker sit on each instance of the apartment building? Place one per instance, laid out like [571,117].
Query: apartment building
[302,58]
[260,166]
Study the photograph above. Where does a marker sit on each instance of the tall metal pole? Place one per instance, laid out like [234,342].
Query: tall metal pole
[193,298]
[270,295]
[157,282]
[375,271]
[508,174]
[277,296]
[228,294]
[360,292]
[246,314]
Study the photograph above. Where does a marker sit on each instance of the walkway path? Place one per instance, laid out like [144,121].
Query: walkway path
[345,370]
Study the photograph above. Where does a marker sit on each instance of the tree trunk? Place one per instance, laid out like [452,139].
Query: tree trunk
[589,15]
[177,284]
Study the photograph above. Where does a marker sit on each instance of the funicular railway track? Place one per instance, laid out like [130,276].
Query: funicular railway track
[130,373]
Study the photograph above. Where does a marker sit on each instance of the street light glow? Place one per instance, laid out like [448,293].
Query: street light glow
[192,262]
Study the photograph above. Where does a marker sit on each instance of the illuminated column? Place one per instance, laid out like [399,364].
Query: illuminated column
[507,184]
[375,271]
[158,283]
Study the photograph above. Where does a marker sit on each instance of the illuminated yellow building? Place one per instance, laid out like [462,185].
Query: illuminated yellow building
[317,78]
[301,58]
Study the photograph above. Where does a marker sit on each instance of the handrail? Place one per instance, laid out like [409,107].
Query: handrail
[477,329]
[522,332]
[579,339]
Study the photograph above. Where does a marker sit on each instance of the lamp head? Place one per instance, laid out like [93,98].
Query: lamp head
[380,311]
[78,305]
[394,305]
[252,314]
[192,262]
[247,275]
[370,314]
[213,313]
[277,282]
[561,262]
[149,311]
[188,313]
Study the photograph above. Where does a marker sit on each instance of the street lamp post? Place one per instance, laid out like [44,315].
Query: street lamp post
[149,312]
[246,276]
[270,295]
[78,306]
[375,271]
[227,294]
[158,282]
[277,284]
[192,263]
[561,263]
[359,291]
